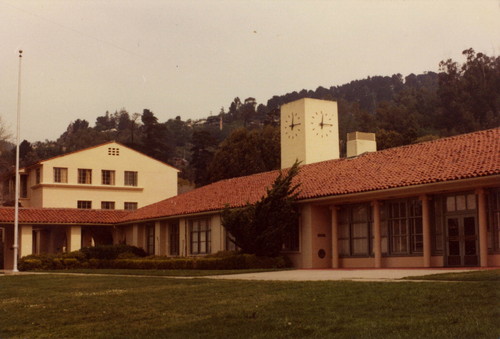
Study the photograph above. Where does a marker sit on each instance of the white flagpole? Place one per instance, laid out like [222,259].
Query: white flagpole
[16,200]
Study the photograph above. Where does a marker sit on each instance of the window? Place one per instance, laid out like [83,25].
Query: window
[355,237]
[107,205]
[460,202]
[200,236]
[130,178]
[24,186]
[38,175]
[174,238]
[404,226]
[60,175]
[84,176]
[84,204]
[291,238]
[130,206]
[108,177]
[494,224]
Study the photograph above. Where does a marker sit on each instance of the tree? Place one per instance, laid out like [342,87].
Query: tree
[246,152]
[469,94]
[203,151]
[261,228]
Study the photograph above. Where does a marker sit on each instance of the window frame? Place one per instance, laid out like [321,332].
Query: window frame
[108,177]
[127,204]
[173,239]
[82,204]
[60,175]
[347,235]
[406,214]
[493,229]
[108,205]
[85,176]
[200,236]
[130,178]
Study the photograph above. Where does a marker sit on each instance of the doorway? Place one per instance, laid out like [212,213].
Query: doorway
[461,241]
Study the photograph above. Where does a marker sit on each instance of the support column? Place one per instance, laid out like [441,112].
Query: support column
[158,236]
[483,227]
[135,235]
[426,230]
[74,238]
[377,249]
[25,240]
[335,237]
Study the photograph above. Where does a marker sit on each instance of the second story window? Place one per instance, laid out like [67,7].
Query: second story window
[108,177]
[84,176]
[84,204]
[107,205]
[130,206]
[60,175]
[130,178]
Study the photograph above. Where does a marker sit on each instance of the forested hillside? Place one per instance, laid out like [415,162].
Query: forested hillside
[244,139]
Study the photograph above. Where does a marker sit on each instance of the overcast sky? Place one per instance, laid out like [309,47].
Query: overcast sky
[190,58]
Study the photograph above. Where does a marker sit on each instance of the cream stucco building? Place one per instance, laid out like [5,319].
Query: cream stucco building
[107,176]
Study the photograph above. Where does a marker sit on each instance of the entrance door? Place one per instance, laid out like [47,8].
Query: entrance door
[461,244]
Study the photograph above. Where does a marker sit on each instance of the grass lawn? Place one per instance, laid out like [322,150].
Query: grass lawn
[168,273]
[482,275]
[54,306]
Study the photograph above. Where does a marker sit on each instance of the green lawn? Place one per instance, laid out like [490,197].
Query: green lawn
[167,273]
[481,275]
[55,306]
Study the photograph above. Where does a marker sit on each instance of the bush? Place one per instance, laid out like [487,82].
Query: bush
[109,252]
[225,261]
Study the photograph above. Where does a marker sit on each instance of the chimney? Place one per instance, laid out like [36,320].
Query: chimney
[359,143]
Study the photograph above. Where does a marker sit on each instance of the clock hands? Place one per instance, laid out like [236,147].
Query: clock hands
[293,124]
[321,124]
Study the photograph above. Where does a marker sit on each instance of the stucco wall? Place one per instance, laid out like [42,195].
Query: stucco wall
[156,180]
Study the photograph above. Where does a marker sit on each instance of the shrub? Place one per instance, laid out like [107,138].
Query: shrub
[124,260]
[111,251]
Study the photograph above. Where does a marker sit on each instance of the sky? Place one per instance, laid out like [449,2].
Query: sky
[188,58]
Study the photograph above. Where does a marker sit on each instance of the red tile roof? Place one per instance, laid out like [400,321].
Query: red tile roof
[460,157]
[62,216]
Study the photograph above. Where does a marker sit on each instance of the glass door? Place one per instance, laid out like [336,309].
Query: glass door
[461,243]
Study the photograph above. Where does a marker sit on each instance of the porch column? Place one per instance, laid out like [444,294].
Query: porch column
[335,237]
[158,236]
[426,230]
[135,235]
[25,240]
[483,227]
[377,250]
[74,238]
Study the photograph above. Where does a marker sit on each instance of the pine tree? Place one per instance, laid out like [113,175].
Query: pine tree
[261,228]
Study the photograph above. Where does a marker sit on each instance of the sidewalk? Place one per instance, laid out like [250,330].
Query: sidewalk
[387,274]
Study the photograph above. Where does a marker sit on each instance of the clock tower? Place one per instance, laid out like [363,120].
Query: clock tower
[309,131]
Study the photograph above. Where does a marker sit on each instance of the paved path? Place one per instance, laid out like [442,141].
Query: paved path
[386,274]
[341,274]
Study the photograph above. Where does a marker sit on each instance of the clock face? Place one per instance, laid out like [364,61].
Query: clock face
[322,124]
[293,125]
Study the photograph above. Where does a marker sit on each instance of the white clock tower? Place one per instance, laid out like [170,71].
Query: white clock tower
[309,131]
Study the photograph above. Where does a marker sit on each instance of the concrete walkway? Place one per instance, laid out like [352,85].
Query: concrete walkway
[340,274]
[386,274]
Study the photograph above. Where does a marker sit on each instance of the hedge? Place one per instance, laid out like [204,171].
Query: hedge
[235,261]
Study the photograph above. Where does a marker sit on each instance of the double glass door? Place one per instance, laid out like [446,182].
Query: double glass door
[461,241]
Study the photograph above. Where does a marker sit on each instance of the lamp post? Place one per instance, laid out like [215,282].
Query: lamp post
[18,179]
